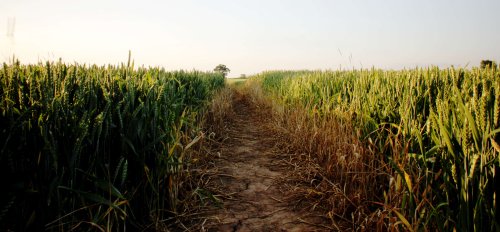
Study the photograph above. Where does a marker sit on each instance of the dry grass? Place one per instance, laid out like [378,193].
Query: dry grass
[219,111]
[197,196]
[332,173]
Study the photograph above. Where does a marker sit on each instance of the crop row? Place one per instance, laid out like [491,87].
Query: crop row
[95,146]
[436,130]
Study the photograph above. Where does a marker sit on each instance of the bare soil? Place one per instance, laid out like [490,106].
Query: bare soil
[248,170]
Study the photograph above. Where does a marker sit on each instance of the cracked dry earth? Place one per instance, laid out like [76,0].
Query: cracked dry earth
[247,174]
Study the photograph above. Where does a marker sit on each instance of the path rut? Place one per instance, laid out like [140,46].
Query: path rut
[248,171]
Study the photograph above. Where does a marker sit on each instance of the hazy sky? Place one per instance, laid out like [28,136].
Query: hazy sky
[252,36]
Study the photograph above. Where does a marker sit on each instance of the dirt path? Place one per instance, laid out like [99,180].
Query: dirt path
[248,170]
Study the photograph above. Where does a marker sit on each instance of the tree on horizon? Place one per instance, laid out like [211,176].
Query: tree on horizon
[221,68]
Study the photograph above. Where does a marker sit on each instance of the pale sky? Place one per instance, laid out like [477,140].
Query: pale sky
[253,36]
